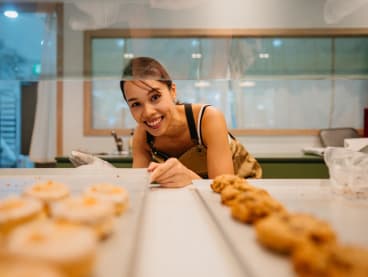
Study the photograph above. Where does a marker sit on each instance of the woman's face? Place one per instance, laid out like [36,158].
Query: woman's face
[151,103]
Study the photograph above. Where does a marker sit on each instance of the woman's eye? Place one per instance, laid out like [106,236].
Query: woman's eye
[155,97]
[135,104]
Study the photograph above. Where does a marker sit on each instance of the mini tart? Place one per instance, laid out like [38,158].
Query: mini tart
[92,212]
[69,248]
[111,193]
[20,268]
[16,210]
[47,192]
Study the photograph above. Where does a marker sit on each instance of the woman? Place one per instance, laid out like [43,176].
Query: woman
[177,143]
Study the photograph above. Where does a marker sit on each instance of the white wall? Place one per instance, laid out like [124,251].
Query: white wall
[208,14]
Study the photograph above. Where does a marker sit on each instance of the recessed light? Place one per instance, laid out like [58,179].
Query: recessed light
[11,13]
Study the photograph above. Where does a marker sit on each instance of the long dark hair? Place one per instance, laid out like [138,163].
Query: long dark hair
[145,68]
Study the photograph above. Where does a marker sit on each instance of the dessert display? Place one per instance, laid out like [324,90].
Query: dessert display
[85,210]
[117,195]
[47,192]
[16,210]
[46,231]
[311,243]
[286,232]
[69,248]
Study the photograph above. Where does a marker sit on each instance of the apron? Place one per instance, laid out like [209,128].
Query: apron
[195,158]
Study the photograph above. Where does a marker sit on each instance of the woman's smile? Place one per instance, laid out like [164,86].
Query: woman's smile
[154,123]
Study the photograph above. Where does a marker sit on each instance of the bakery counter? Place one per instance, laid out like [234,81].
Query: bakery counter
[188,232]
[274,165]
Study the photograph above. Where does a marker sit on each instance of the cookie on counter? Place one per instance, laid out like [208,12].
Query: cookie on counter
[330,260]
[253,205]
[91,212]
[117,195]
[285,232]
[16,210]
[71,249]
[229,193]
[224,180]
[48,192]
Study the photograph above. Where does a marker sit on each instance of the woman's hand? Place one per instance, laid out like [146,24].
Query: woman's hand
[171,173]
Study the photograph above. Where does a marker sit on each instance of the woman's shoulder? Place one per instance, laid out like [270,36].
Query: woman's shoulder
[210,111]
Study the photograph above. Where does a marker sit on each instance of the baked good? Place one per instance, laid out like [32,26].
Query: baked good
[330,260]
[224,180]
[88,211]
[24,268]
[250,206]
[69,248]
[229,193]
[285,232]
[47,192]
[117,195]
[15,210]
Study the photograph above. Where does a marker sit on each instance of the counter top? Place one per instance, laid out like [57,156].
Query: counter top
[187,232]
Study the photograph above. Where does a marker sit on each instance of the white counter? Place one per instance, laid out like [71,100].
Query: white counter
[187,232]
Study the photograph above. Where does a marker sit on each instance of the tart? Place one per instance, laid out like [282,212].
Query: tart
[69,248]
[15,211]
[88,211]
[117,195]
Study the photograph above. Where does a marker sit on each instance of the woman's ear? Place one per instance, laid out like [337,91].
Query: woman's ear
[173,92]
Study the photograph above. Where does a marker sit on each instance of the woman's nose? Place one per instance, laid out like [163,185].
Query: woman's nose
[148,110]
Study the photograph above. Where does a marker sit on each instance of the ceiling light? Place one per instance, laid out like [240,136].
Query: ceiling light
[128,56]
[264,55]
[11,14]
[247,84]
[277,42]
[196,55]
[202,84]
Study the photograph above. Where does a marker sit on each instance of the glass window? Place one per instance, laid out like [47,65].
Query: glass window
[271,83]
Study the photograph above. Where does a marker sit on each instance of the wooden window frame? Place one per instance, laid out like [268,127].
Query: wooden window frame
[201,33]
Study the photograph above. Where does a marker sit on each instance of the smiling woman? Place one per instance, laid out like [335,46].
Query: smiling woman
[177,142]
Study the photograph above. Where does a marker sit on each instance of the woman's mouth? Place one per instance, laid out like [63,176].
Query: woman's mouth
[155,123]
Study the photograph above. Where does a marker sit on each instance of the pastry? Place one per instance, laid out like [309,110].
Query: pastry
[285,232]
[222,181]
[23,268]
[88,211]
[229,193]
[69,248]
[117,195]
[15,210]
[47,192]
[330,260]
[251,206]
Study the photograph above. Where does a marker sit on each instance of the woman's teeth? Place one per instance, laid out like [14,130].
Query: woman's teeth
[154,123]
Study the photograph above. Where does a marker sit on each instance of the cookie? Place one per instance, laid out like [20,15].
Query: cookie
[222,181]
[250,206]
[229,193]
[330,260]
[285,232]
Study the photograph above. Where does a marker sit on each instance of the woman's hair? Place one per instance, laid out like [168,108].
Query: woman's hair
[145,68]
